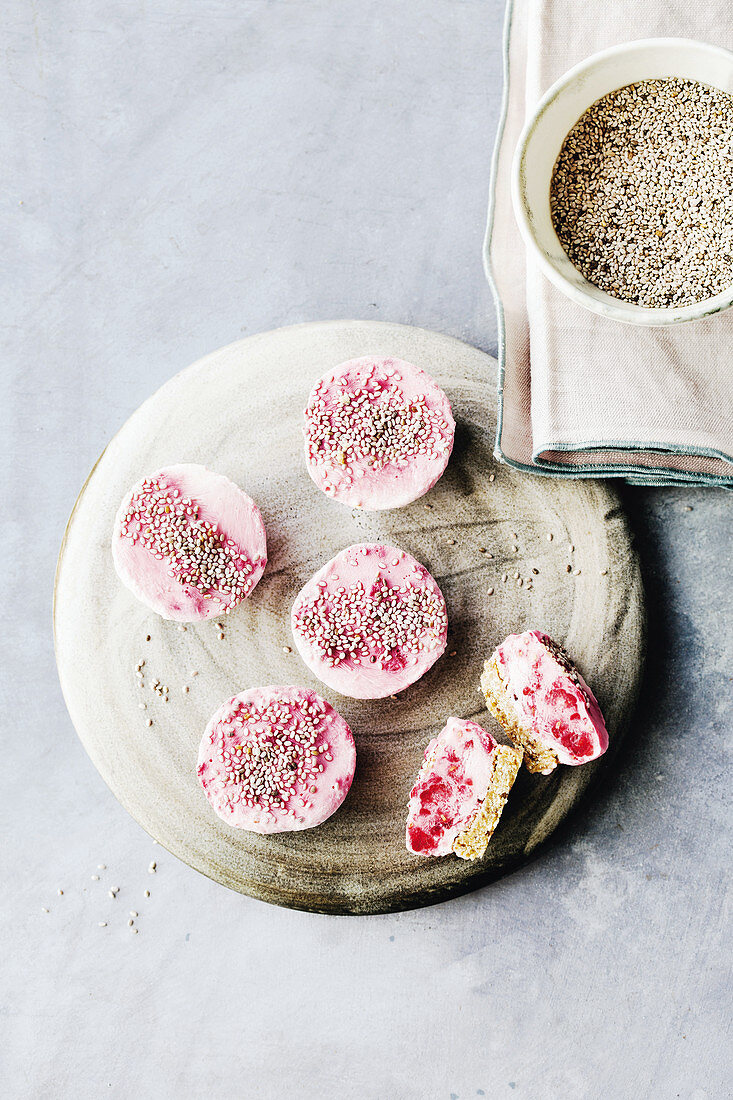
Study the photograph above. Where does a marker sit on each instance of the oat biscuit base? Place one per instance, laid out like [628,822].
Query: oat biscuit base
[537,757]
[472,843]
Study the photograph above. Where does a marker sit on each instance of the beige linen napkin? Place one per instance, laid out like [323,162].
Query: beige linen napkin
[580,395]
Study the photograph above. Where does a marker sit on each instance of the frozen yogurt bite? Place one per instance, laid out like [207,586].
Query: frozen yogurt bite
[460,791]
[371,622]
[378,433]
[276,759]
[189,543]
[542,702]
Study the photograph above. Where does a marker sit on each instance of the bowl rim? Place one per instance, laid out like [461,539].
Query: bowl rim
[616,309]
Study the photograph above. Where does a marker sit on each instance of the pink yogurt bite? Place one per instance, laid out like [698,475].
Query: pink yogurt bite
[189,543]
[370,622]
[276,759]
[551,703]
[450,787]
[378,433]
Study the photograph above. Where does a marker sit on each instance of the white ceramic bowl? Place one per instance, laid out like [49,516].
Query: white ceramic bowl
[542,138]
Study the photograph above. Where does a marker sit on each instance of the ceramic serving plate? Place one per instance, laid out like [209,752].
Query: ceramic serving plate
[497,542]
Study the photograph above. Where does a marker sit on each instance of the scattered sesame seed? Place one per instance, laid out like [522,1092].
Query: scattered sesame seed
[149,722]
[492,477]
[60,893]
[112,894]
[130,923]
[576,572]
[549,538]
[193,672]
[101,866]
[536,572]
[604,572]
[147,893]
[185,689]
[147,637]
[482,549]
[688,507]
[45,910]
[287,649]
[452,653]
[571,549]
[451,542]
[102,924]
[505,578]
[568,568]
[152,867]
[133,913]
[491,592]
[95,878]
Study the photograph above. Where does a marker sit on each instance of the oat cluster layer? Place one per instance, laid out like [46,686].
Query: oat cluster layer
[641,194]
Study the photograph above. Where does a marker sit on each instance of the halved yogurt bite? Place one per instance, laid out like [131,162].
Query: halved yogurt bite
[189,543]
[276,759]
[460,791]
[370,622]
[542,702]
[378,433]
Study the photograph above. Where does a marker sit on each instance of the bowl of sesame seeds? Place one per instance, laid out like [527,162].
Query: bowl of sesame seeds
[622,182]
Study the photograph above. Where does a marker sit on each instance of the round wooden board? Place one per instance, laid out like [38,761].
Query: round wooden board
[239,411]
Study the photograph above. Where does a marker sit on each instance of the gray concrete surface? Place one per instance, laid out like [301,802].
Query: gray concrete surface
[176,174]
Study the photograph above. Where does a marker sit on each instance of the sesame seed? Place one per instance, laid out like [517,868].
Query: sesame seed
[549,538]
[147,894]
[576,572]
[491,592]
[641,195]
[149,722]
[45,910]
[102,924]
[95,878]
[152,868]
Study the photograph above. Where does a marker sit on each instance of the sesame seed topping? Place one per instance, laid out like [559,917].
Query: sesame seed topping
[199,555]
[267,754]
[382,625]
[367,424]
